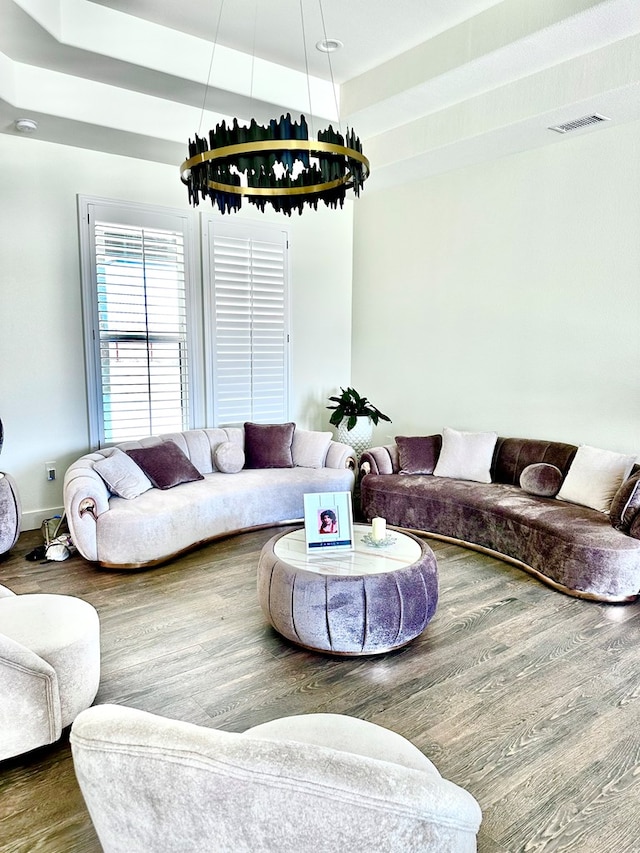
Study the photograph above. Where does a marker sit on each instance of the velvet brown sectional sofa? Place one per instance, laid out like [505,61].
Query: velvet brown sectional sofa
[121,518]
[576,549]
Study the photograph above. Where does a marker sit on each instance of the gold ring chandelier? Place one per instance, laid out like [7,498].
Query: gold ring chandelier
[277,164]
[244,161]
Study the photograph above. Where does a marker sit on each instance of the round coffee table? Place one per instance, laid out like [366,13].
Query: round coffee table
[362,602]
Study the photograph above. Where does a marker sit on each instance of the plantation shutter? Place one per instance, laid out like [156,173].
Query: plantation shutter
[249,323]
[139,335]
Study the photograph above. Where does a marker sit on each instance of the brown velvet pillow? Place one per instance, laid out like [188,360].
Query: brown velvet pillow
[165,465]
[268,445]
[625,505]
[541,479]
[418,454]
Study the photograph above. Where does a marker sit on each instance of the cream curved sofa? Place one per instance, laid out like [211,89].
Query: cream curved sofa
[160,524]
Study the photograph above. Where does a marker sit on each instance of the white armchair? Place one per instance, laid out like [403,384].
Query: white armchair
[303,784]
[49,667]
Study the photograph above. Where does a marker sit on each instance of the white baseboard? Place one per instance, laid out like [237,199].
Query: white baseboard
[33,520]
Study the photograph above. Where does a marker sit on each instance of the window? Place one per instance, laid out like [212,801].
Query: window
[163,334]
[247,321]
[138,330]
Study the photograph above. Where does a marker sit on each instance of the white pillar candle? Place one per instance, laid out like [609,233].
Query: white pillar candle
[378,529]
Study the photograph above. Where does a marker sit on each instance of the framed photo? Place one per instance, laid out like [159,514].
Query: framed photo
[328,522]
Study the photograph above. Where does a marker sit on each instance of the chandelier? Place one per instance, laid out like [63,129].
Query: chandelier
[275,164]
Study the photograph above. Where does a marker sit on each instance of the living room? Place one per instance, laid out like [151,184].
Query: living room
[488,278]
[511,288]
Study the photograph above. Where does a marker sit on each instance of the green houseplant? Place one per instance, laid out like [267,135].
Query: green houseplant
[350,406]
[354,416]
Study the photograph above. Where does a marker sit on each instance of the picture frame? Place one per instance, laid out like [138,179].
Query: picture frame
[328,522]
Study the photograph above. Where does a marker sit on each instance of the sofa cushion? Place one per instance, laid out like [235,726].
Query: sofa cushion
[229,457]
[418,454]
[268,445]
[165,464]
[541,479]
[594,477]
[466,455]
[625,505]
[309,448]
[512,455]
[121,474]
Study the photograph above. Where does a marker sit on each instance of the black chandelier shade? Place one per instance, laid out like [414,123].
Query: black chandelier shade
[241,161]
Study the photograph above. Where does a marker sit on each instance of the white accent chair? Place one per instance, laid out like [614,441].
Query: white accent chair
[302,784]
[49,667]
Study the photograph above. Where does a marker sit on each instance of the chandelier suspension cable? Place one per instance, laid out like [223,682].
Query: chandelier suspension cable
[253,47]
[333,82]
[306,67]
[213,53]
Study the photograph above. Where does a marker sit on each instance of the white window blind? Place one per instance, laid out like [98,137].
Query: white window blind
[139,334]
[249,327]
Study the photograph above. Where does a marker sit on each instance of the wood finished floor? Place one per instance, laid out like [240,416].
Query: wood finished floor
[526,697]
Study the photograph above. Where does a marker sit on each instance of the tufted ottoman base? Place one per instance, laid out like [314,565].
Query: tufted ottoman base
[362,602]
[10,513]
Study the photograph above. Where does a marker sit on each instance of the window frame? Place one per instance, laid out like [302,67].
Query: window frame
[261,232]
[122,213]
[196,228]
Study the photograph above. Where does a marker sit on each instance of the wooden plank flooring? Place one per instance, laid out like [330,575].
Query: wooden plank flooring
[526,697]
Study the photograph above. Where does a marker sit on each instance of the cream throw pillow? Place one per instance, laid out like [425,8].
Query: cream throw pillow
[594,477]
[466,455]
[228,457]
[309,448]
[121,474]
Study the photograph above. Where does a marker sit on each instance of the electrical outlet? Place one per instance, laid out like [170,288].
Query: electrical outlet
[50,468]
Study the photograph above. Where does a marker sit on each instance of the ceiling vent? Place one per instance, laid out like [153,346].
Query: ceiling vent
[577,123]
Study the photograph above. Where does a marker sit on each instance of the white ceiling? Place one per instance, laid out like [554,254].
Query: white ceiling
[273,29]
[428,86]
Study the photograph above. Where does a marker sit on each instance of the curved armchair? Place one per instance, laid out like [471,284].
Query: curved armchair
[49,667]
[317,782]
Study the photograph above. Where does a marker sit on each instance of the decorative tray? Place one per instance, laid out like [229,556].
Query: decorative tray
[367,539]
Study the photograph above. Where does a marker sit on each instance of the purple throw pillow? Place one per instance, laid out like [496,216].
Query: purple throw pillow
[268,445]
[165,464]
[625,505]
[541,479]
[418,454]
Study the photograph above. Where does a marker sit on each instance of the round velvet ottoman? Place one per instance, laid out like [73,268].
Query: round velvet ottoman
[361,602]
[10,513]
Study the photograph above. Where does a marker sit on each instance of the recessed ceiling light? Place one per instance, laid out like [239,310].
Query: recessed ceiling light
[26,125]
[329,45]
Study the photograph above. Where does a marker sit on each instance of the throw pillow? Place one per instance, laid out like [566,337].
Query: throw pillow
[309,448]
[121,474]
[594,477]
[418,454]
[634,530]
[268,445]
[228,457]
[466,455]
[165,464]
[625,505]
[541,479]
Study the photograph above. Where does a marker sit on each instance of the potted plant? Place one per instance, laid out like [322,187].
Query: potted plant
[354,416]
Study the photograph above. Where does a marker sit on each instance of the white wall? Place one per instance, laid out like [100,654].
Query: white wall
[506,296]
[42,385]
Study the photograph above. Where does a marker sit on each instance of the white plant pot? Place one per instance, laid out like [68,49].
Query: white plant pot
[359,437]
